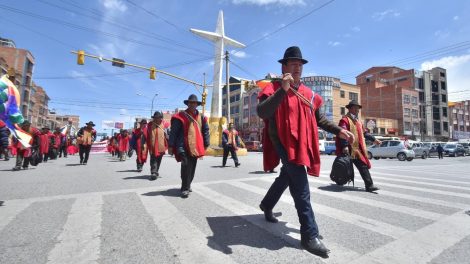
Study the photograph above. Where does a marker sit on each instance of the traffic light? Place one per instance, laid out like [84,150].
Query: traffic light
[153,73]
[118,63]
[204,94]
[81,57]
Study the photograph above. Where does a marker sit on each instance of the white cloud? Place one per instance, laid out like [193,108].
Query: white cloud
[441,34]
[334,43]
[458,78]
[456,17]
[269,2]
[114,5]
[356,29]
[239,54]
[87,82]
[379,16]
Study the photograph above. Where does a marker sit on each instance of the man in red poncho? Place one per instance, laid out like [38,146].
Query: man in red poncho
[230,143]
[291,112]
[123,144]
[139,145]
[189,138]
[57,142]
[23,155]
[357,149]
[156,138]
[45,145]
[85,138]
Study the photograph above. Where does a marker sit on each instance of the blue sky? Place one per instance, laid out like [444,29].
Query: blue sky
[341,39]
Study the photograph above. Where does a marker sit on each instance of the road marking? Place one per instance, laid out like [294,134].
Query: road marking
[423,245]
[177,228]
[383,205]
[406,196]
[431,172]
[79,241]
[422,178]
[10,209]
[341,254]
[424,183]
[462,195]
[364,222]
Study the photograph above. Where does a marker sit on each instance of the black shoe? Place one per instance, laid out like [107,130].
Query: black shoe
[315,246]
[268,214]
[25,168]
[237,164]
[153,177]
[190,190]
[158,175]
[16,168]
[372,188]
[184,194]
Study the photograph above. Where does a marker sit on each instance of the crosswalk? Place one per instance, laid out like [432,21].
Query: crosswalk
[413,219]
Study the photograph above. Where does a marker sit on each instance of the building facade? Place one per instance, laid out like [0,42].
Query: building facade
[20,65]
[252,125]
[459,113]
[39,106]
[237,89]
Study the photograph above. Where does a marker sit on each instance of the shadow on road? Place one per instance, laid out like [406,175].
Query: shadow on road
[1,203]
[127,171]
[140,177]
[261,172]
[337,188]
[235,230]
[220,166]
[73,164]
[170,192]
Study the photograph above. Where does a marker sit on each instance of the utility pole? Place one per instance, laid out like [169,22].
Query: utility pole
[204,94]
[227,85]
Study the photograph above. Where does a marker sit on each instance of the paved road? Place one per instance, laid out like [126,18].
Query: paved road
[106,212]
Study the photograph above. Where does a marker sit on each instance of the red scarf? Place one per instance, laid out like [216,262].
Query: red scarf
[190,119]
[141,147]
[153,149]
[344,123]
[296,127]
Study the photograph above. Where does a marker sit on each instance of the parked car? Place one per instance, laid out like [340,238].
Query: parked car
[466,146]
[391,149]
[454,150]
[330,148]
[253,146]
[433,147]
[420,149]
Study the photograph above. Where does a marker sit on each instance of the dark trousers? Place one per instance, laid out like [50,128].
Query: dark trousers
[45,157]
[364,171]
[21,160]
[233,152]
[295,177]
[441,155]
[188,168]
[155,163]
[63,150]
[84,150]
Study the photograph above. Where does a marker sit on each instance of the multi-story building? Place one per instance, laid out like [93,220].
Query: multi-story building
[39,106]
[7,43]
[63,120]
[20,65]
[459,113]
[237,89]
[433,101]
[252,125]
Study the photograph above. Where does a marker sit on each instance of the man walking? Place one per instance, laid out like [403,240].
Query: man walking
[139,144]
[85,137]
[440,151]
[230,143]
[157,143]
[357,149]
[291,113]
[45,145]
[189,138]
[23,154]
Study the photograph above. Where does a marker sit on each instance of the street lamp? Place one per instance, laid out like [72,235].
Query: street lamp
[153,99]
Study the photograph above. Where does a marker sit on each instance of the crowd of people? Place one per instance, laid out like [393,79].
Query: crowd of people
[292,116]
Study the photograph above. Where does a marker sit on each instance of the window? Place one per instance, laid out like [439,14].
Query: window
[402,79]
[341,94]
[416,127]
[445,126]
[383,144]
[435,99]
[437,128]
[414,112]
[444,111]
[407,126]
[353,96]
[414,100]
[406,99]
[435,113]
[343,111]
[442,74]
[421,97]
[444,98]
[443,85]
[434,86]
[224,101]
[406,112]
[394,143]
[245,113]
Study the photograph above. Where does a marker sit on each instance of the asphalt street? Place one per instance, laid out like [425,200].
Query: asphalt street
[107,212]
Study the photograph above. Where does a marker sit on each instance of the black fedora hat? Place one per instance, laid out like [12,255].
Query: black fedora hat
[292,53]
[192,98]
[157,114]
[143,121]
[353,102]
[90,123]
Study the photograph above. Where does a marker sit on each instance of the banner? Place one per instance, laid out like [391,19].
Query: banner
[107,124]
[119,125]
[99,147]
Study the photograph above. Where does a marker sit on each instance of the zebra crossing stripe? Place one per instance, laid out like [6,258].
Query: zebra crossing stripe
[242,210]
[422,179]
[10,209]
[423,183]
[176,228]
[79,241]
[384,205]
[423,245]
[364,222]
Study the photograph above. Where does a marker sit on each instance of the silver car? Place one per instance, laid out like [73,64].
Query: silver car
[420,149]
[391,149]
